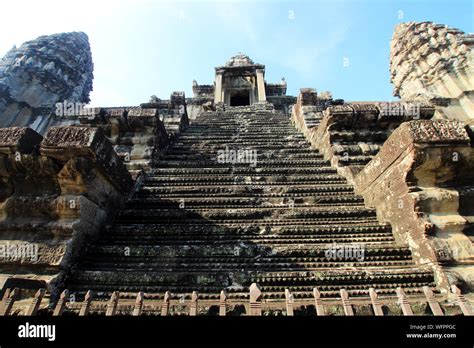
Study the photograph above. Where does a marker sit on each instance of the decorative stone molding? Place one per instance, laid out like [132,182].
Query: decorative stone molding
[307,111]
[57,193]
[350,134]
[434,63]
[419,182]
[175,117]
[136,134]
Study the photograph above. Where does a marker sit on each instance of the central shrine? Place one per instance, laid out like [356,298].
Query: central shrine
[240,82]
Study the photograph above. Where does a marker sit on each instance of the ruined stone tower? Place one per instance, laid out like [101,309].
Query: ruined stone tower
[434,63]
[40,73]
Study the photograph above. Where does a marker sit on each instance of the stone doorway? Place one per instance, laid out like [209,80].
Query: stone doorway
[240,98]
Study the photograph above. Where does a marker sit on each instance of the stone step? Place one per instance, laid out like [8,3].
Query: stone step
[153,282]
[202,229]
[281,210]
[248,213]
[230,202]
[255,190]
[153,180]
[240,249]
[260,162]
[200,225]
[165,266]
[347,137]
[238,170]
[173,155]
[214,147]
[267,239]
[263,223]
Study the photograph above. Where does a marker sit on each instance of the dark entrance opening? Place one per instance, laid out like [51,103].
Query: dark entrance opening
[240,98]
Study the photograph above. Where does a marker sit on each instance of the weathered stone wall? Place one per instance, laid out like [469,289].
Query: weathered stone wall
[197,105]
[307,112]
[351,134]
[56,193]
[137,134]
[282,103]
[175,116]
[40,73]
[432,62]
[421,183]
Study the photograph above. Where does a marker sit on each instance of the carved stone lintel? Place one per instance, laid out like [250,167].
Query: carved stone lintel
[64,143]
[19,140]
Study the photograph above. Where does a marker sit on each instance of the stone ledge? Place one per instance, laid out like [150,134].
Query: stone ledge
[64,143]
[18,139]
[405,137]
[384,114]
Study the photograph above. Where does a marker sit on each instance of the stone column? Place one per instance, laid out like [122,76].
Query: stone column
[218,92]
[261,86]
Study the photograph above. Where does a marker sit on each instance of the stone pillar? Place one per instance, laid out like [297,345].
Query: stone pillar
[218,92]
[261,86]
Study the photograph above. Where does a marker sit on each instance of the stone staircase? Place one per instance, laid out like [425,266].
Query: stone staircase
[198,224]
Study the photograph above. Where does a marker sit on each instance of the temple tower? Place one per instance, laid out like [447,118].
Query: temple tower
[240,82]
[40,73]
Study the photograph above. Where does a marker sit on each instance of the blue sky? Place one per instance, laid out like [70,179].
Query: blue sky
[145,47]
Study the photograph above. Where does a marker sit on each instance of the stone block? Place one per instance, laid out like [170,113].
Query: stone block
[21,140]
[64,143]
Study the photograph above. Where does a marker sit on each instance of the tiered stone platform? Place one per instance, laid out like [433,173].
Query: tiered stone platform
[200,225]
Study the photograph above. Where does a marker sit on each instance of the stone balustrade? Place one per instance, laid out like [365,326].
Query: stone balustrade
[365,302]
